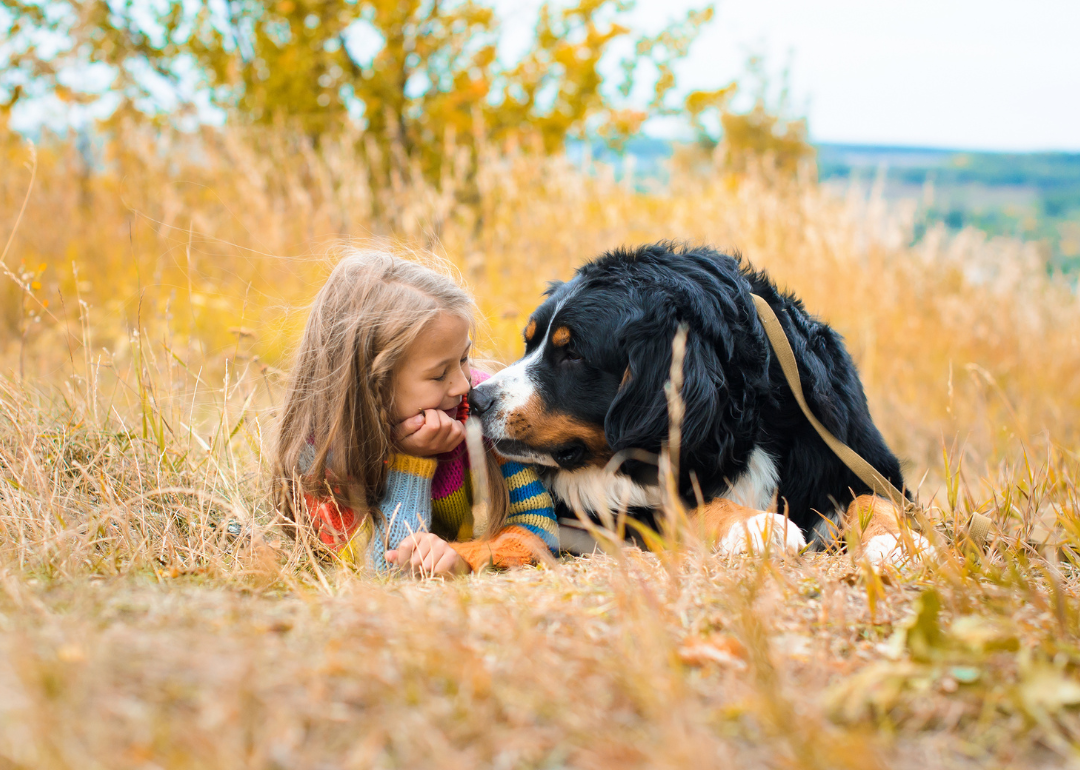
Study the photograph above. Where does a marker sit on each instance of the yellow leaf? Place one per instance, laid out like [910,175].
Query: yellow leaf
[1047,689]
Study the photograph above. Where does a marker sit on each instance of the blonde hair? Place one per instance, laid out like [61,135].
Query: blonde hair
[372,307]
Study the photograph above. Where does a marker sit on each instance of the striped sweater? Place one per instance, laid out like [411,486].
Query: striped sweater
[435,494]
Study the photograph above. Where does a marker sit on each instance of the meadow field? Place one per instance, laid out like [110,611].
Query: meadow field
[152,614]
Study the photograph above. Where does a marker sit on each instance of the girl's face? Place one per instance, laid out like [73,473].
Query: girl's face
[434,372]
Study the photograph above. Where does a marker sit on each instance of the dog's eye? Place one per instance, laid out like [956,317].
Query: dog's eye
[572,354]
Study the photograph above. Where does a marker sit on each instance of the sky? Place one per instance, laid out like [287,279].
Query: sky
[966,74]
[962,74]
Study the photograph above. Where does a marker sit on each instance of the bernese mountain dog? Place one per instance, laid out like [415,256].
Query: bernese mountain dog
[591,387]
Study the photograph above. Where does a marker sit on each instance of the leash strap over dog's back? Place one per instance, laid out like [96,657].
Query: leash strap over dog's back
[978,527]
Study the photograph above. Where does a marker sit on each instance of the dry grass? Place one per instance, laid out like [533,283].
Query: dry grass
[151,614]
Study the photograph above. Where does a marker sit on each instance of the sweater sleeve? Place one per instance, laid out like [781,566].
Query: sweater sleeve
[531,508]
[406,508]
[531,533]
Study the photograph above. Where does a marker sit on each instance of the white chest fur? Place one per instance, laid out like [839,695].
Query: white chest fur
[595,490]
[757,484]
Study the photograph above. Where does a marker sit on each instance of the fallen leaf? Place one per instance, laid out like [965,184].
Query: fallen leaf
[981,635]
[872,692]
[921,633]
[1046,689]
[718,649]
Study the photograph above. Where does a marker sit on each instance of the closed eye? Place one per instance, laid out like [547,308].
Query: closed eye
[572,354]
[439,378]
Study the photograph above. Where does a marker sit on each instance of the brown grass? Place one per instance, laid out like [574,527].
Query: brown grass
[152,615]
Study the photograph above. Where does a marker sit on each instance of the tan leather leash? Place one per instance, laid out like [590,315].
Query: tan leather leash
[978,528]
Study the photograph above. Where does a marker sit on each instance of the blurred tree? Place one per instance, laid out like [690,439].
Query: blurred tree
[35,49]
[413,73]
[761,132]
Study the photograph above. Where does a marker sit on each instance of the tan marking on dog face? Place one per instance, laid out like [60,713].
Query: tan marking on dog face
[625,378]
[530,330]
[561,337]
[544,430]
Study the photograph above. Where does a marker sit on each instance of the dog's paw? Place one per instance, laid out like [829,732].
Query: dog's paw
[751,535]
[889,549]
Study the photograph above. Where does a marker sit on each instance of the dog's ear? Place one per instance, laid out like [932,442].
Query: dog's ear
[637,417]
[720,411]
[715,413]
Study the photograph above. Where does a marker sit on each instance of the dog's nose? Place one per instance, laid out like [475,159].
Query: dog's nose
[480,400]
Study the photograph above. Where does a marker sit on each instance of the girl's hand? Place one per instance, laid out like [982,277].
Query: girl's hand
[427,554]
[429,434]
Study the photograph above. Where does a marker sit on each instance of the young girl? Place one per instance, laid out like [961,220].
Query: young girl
[371,440]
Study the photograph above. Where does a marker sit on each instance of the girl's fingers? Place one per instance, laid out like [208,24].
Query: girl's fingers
[412,547]
[420,439]
[439,433]
[433,561]
[429,554]
[448,563]
[423,543]
[401,555]
[451,431]
[446,425]
[431,424]
[410,426]
[426,553]
[442,430]
[423,550]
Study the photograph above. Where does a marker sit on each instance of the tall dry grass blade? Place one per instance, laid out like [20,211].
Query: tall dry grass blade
[474,443]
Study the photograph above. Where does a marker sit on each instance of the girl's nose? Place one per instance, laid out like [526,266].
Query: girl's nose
[460,385]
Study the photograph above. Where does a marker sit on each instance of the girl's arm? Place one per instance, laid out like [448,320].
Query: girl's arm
[406,508]
[531,533]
